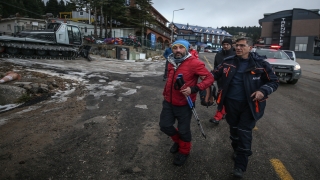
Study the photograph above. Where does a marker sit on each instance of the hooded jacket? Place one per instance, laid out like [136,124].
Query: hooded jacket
[219,58]
[258,76]
[194,53]
[223,54]
[167,52]
[191,68]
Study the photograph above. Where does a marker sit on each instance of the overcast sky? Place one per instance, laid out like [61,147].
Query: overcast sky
[217,13]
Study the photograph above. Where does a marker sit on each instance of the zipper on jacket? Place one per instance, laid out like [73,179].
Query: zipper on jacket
[228,71]
[172,84]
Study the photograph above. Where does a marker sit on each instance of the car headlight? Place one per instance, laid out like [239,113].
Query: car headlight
[296,67]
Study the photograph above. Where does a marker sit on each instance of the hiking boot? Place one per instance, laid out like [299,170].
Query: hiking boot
[212,120]
[237,172]
[180,159]
[174,148]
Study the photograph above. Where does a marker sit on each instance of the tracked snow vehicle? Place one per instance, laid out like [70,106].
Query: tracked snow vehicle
[57,41]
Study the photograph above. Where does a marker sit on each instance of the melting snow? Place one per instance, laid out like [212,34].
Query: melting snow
[141,106]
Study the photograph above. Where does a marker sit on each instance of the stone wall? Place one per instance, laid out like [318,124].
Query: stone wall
[110,51]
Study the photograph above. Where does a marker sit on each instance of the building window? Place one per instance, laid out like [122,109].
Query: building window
[212,38]
[268,40]
[81,13]
[9,27]
[301,44]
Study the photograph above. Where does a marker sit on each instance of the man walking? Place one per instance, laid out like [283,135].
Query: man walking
[166,53]
[193,52]
[175,105]
[247,80]
[227,50]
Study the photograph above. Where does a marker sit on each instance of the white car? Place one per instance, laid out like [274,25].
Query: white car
[291,54]
[285,68]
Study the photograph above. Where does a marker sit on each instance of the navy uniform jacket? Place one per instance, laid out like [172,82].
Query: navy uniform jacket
[258,76]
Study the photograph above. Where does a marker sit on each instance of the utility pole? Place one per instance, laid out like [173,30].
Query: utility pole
[172,26]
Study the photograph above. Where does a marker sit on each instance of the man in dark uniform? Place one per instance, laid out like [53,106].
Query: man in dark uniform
[227,50]
[247,80]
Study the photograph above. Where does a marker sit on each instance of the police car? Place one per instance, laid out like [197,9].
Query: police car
[285,68]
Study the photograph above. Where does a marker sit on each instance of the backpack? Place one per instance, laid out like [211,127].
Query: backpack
[208,95]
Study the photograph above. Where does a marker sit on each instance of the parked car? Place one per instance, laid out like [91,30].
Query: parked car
[291,54]
[207,50]
[286,69]
[215,50]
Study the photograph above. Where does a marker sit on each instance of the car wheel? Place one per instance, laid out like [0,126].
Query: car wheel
[294,81]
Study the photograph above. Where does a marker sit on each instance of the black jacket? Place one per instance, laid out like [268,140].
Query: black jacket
[223,54]
[220,56]
[258,76]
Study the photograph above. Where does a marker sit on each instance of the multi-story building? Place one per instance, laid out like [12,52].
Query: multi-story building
[297,30]
[157,32]
[200,36]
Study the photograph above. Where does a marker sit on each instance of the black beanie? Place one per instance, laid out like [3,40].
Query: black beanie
[227,40]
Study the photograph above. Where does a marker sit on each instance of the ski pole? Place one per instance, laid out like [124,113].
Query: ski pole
[180,83]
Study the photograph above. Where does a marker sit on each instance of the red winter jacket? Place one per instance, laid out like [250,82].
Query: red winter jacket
[191,69]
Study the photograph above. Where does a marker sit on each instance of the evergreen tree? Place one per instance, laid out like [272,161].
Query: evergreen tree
[34,8]
[70,6]
[62,6]
[115,12]
[252,32]
[140,15]
[52,6]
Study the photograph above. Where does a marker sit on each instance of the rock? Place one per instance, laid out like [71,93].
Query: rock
[10,94]
[54,84]
[27,87]
[136,169]
[50,87]
[43,89]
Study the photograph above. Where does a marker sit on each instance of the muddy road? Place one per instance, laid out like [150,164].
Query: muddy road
[104,125]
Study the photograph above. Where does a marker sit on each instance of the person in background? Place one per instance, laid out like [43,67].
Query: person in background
[175,105]
[247,80]
[227,50]
[198,48]
[166,53]
[193,52]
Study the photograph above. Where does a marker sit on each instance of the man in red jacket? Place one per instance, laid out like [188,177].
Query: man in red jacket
[175,105]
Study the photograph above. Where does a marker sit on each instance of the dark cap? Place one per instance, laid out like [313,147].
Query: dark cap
[227,40]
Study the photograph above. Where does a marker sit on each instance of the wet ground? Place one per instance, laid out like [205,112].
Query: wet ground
[104,125]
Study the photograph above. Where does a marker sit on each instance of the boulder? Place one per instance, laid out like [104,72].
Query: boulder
[10,94]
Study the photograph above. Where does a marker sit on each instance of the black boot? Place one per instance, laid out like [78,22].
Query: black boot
[237,172]
[214,121]
[174,148]
[180,159]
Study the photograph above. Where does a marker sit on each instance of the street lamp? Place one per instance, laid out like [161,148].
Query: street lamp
[172,22]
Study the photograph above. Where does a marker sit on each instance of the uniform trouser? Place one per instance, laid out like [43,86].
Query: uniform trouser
[169,114]
[166,70]
[241,122]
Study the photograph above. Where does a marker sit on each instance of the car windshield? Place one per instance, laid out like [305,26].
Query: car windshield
[272,54]
[289,54]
